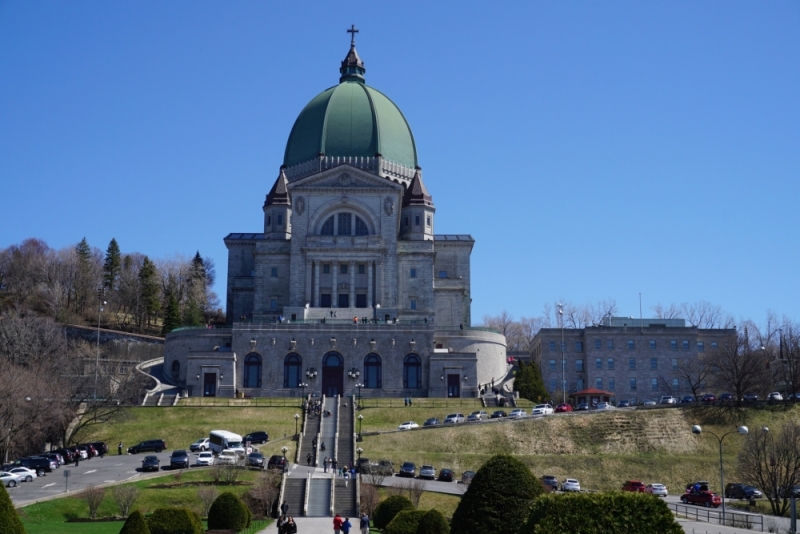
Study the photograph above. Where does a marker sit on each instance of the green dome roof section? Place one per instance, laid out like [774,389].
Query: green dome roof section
[351,120]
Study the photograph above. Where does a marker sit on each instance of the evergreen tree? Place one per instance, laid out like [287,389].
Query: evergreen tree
[197,283]
[112,265]
[172,314]
[150,291]
[10,522]
[528,381]
[135,524]
[228,512]
[498,498]
[192,314]
[433,522]
[83,276]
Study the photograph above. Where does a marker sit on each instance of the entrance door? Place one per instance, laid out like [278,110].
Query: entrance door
[209,384]
[453,386]
[344,300]
[333,374]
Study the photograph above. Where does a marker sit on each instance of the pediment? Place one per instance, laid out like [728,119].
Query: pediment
[345,177]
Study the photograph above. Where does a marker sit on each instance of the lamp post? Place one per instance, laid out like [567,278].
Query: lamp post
[743,430]
[283,450]
[296,418]
[359,451]
[97,358]
[360,421]
[304,386]
[353,373]
[359,386]
[563,385]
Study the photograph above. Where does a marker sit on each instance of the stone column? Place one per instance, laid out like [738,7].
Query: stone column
[316,284]
[308,282]
[369,284]
[352,268]
[335,288]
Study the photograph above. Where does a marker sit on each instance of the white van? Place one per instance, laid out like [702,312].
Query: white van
[219,440]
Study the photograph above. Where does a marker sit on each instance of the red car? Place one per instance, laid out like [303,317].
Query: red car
[633,485]
[562,408]
[708,397]
[704,498]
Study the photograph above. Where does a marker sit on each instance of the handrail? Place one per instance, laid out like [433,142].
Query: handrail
[308,492]
[282,493]
[336,431]
[736,519]
[333,486]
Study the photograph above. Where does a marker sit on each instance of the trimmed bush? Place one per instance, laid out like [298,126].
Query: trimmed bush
[388,508]
[135,524]
[406,522]
[9,520]
[228,512]
[600,512]
[498,498]
[175,521]
[433,522]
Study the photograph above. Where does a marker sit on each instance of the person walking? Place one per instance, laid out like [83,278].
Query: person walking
[346,478]
[346,526]
[119,449]
[333,462]
[308,459]
[285,508]
[337,524]
[290,527]
[77,457]
[363,523]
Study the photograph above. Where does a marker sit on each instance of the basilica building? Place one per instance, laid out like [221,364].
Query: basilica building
[347,289]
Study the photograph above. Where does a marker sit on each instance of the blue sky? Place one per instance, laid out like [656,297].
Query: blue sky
[593,149]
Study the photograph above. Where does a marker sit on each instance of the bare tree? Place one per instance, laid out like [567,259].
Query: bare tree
[94,498]
[414,489]
[787,366]
[207,495]
[125,496]
[226,473]
[263,494]
[693,371]
[369,498]
[505,324]
[771,460]
[738,366]
[664,312]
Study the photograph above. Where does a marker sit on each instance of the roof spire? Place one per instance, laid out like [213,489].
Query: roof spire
[417,194]
[279,194]
[352,67]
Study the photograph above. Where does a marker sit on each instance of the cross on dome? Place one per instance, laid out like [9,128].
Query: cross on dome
[352,31]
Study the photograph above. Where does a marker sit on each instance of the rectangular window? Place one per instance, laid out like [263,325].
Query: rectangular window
[579,346]
[326,269]
[405,221]
[652,344]
[563,346]
[685,345]
[598,383]
[598,344]
[611,364]
[279,220]
[442,274]
[713,345]
[578,384]
[429,220]
[632,384]
[654,384]
[273,303]
[325,300]
[274,272]
[269,220]
[416,220]
[701,346]
[612,384]
[653,363]
[631,344]
[610,344]
[413,304]
[673,344]
[675,383]
[413,273]
[598,363]
[362,268]
[552,365]
[552,346]
[632,364]
[361,301]
[342,268]
[345,222]
[579,366]
[553,384]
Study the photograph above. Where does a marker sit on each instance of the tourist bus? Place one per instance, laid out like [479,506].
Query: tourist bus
[220,440]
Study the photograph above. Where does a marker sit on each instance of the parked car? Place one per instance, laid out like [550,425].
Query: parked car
[648,402]
[408,425]
[79,452]
[467,477]
[727,397]
[205,458]
[455,418]
[40,465]
[708,397]
[605,406]
[151,463]
[750,397]
[363,466]
[67,454]
[659,490]
[54,458]
[27,474]
[542,409]
[497,414]
[700,485]
[793,492]
[550,481]
[570,484]
[687,399]
[623,404]
[446,475]
[227,457]
[276,461]
[431,422]
[479,415]
[518,413]
[742,491]
[179,459]
[563,408]
[668,399]
[385,468]
[428,472]
[154,445]
[775,396]
[256,437]
[408,469]
[10,480]
[201,444]
[99,446]
[90,450]
[582,407]
[255,459]
[633,485]
[703,498]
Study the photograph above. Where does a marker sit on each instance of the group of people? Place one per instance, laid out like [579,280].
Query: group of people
[343,525]
[313,408]
[286,524]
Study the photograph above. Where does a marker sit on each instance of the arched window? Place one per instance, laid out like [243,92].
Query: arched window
[332,359]
[345,221]
[361,227]
[412,371]
[176,368]
[327,228]
[252,371]
[372,371]
[291,370]
[342,224]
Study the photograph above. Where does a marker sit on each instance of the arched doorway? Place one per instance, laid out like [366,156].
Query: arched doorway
[252,371]
[332,374]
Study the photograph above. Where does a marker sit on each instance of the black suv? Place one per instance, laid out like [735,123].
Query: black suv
[257,437]
[408,469]
[35,463]
[276,461]
[742,491]
[179,459]
[155,445]
[550,481]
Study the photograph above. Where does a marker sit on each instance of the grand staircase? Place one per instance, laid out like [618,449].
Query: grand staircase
[344,498]
[294,495]
[319,500]
[307,440]
[344,448]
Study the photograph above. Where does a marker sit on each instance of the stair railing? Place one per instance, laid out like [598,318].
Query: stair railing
[305,497]
[333,487]
[336,431]
[282,493]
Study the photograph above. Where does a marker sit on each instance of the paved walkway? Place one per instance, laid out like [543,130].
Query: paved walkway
[311,525]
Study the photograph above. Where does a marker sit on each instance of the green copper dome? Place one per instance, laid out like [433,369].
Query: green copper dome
[351,119]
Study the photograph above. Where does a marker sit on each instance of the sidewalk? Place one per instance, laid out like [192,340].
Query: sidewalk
[312,525]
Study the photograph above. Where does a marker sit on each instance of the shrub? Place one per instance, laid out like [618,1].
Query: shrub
[125,496]
[135,524]
[433,522]
[388,508]
[498,498]
[207,494]
[175,521]
[228,512]
[94,498]
[600,512]
[406,522]
[9,520]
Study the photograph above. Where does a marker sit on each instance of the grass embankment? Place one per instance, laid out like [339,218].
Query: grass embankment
[180,426]
[52,516]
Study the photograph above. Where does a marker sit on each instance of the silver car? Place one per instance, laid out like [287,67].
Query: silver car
[10,479]
[454,418]
[479,415]
[427,471]
[27,474]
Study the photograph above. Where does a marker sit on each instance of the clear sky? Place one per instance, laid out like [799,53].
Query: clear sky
[594,150]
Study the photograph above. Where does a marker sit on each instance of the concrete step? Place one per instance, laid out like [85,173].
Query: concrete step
[344,499]
[294,495]
[319,500]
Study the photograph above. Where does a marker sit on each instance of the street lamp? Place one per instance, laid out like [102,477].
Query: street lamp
[743,430]
[360,421]
[563,382]
[359,451]
[304,386]
[353,373]
[296,418]
[283,450]
[97,358]
[359,386]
